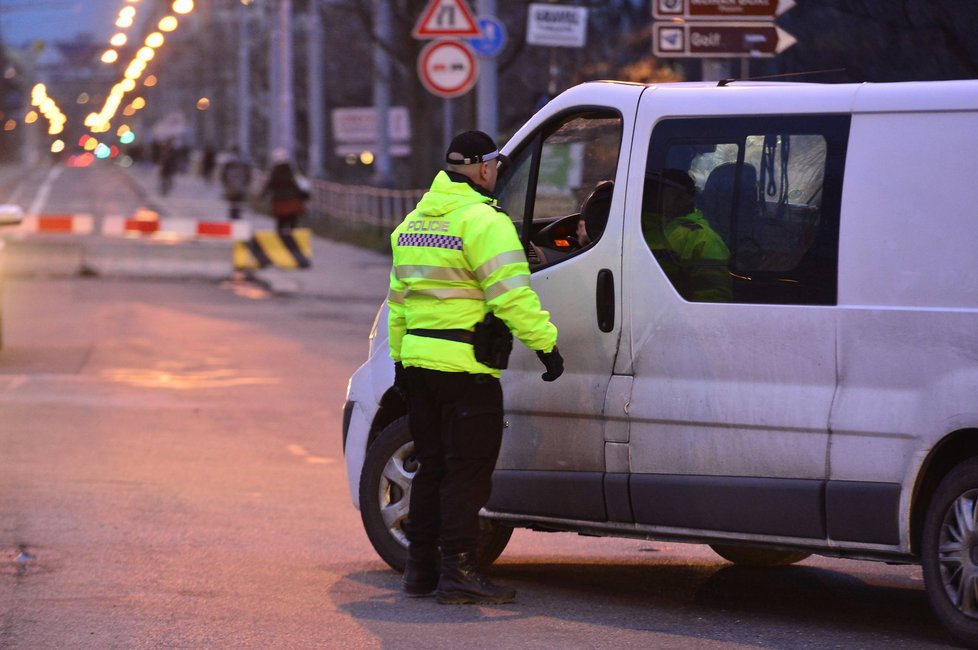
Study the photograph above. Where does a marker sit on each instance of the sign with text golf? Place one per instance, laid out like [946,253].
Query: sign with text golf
[720,39]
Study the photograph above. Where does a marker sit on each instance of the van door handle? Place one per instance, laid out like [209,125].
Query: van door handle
[604,298]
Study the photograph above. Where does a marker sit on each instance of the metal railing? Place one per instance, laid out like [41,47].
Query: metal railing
[361,205]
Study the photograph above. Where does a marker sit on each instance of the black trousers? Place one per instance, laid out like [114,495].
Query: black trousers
[456,420]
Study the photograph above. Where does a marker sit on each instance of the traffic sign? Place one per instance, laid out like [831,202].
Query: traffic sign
[493,38]
[721,9]
[720,40]
[446,19]
[448,68]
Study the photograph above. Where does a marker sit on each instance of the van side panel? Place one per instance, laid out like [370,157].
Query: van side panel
[908,296]
[910,211]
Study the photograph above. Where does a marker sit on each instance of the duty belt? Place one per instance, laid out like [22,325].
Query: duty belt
[460,336]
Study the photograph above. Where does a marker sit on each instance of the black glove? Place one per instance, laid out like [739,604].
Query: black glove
[400,380]
[554,363]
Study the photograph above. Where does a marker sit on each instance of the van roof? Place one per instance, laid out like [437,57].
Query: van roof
[861,97]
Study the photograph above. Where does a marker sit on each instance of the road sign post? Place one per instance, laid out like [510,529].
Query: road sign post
[714,30]
[447,68]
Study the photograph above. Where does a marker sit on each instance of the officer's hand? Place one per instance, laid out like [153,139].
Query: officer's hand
[400,381]
[554,363]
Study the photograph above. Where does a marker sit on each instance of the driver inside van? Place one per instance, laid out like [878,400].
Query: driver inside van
[692,254]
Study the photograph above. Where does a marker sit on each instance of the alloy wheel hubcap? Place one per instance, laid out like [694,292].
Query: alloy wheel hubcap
[958,553]
[394,491]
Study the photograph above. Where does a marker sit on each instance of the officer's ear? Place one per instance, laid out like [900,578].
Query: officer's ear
[484,170]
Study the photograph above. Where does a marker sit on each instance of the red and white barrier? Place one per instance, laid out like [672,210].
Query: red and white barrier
[71,224]
[176,228]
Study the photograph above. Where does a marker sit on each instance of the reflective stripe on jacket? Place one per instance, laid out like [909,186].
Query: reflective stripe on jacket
[457,257]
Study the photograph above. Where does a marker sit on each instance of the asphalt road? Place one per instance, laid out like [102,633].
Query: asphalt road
[171,476]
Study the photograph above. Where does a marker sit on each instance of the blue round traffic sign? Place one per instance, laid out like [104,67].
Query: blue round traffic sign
[493,38]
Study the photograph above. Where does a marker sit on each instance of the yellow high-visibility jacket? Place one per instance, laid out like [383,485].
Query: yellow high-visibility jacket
[692,254]
[457,257]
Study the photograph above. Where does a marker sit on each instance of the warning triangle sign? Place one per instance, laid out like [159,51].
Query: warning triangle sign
[446,18]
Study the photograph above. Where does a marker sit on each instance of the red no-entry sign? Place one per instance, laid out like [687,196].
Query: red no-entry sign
[448,68]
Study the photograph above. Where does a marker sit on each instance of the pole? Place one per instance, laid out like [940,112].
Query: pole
[274,81]
[383,172]
[284,104]
[449,128]
[244,82]
[487,99]
[314,53]
[715,69]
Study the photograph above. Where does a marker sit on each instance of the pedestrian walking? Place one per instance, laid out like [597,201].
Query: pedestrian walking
[460,288]
[288,197]
[208,162]
[235,177]
[169,163]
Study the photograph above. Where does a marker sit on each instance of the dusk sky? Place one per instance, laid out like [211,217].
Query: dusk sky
[27,21]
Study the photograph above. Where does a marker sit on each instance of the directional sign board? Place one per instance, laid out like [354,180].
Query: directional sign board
[446,19]
[721,9]
[448,68]
[720,40]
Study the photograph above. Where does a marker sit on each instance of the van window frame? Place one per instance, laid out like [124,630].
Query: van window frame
[532,145]
[820,263]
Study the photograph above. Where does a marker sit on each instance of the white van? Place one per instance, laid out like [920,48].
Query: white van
[821,397]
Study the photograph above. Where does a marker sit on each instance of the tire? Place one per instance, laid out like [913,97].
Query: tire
[758,557]
[385,497]
[949,553]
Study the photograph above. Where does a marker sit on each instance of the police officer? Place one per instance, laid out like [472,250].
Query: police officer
[457,257]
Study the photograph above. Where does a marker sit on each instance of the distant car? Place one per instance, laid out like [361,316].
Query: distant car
[10,215]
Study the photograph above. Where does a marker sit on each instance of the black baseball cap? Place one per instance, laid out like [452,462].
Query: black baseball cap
[472,147]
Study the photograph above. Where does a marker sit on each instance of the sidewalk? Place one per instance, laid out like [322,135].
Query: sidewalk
[338,271]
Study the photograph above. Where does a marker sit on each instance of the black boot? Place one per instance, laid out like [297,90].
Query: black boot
[421,572]
[461,583]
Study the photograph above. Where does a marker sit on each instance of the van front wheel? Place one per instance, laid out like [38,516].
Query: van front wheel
[385,497]
[758,557]
[949,552]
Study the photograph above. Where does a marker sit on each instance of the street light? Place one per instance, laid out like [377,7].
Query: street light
[183,6]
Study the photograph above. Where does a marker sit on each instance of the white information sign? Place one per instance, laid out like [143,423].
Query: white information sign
[556,25]
[355,130]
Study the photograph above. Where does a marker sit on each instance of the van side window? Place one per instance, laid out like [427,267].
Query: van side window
[747,209]
[559,186]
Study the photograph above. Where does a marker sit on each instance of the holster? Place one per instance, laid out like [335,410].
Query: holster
[492,342]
